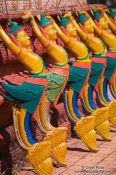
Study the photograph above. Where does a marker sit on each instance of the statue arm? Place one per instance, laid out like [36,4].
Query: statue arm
[110,22]
[39,35]
[61,34]
[10,44]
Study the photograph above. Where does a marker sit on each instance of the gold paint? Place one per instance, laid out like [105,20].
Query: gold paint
[57,137]
[39,157]
[102,124]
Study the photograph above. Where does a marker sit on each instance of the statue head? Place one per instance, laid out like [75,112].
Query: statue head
[19,33]
[49,28]
[67,24]
[85,21]
[101,20]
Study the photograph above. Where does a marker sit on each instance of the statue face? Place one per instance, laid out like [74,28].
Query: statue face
[23,38]
[51,31]
[103,23]
[88,26]
[71,30]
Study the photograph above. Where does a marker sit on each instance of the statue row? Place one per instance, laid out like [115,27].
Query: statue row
[92,43]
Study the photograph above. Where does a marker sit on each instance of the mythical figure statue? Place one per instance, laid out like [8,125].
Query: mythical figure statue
[28,96]
[58,75]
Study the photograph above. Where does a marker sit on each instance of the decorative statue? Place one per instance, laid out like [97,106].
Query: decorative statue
[99,51]
[58,75]
[28,96]
[52,134]
[96,71]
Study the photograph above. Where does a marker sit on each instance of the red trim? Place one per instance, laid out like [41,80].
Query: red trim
[111,54]
[99,18]
[99,60]
[39,81]
[64,30]
[83,65]
[43,31]
[48,25]
[67,23]
[63,71]
[22,29]
[85,20]
[112,77]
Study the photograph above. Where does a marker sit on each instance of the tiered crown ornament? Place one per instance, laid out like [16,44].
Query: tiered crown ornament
[82,17]
[44,21]
[63,21]
[14,27]
[96,15]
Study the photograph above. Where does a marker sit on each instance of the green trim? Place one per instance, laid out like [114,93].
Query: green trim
[36,75]
[112,49]
[87,56]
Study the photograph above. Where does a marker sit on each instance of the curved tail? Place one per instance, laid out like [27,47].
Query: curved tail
[52,133]
[41,163]
[102,93]
[87,101]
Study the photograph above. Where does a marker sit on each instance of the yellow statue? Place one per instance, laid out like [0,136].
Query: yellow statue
[47,35]
[28,95]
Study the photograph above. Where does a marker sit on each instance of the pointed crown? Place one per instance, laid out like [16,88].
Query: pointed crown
[44,21]
[14,28]
[63,20]
[82,17]
[97,15]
